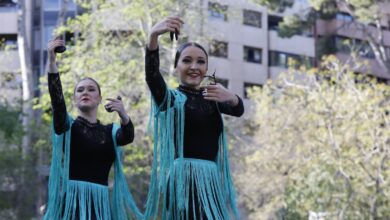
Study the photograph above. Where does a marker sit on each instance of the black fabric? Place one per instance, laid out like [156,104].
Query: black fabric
[203,123]
[92,150]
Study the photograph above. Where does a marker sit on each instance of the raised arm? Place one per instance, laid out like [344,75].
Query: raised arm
[55,90]
[153,76]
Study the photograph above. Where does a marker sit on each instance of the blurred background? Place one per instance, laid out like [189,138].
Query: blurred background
[314,142]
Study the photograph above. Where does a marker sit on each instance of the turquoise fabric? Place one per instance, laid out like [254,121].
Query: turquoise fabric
[213,181]
[65,194]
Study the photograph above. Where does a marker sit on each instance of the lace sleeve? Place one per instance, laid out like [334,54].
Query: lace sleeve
[57,103]
[153,76]
[237,110]
[125,134]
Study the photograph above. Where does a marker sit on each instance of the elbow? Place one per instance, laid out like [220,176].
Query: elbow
[240,113]
[131,139]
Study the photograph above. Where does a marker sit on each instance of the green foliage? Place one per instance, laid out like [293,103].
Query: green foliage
[321,145]
[10,128]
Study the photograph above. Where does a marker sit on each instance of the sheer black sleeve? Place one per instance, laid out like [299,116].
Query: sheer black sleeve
[153,76]
[237,110]
[125,134]
[57,103]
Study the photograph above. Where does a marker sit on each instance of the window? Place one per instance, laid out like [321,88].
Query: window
[347,45]
[48,34]
[342,16]
[219,49]
[36,18]
[364,49]
[252,54]
[284,60]
[9,41]
[252,18]
[387,51]
[278,59]
[248,86]
[273,22]
[217,11]
[51,5]
[342,44]
[7,3]
[223,82]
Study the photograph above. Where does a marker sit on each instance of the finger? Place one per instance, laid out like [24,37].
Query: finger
[212,99]
[116,109]
[169,29]
[176,22]
[210,95]
[212,87]
[176,19]
[174,26]
[112,100]
[57,42]
[118,103]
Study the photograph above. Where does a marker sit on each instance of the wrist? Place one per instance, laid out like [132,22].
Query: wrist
[153,41]
[234,100]
[124,119]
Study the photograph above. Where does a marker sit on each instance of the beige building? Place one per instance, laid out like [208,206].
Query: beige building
[10,80]
[248,51]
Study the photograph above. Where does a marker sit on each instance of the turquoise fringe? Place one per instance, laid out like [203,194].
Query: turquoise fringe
[65,194]
[90,197]
[213,181]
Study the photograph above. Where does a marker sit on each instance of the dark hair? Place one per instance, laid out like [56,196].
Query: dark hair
[88,78]
[184,46]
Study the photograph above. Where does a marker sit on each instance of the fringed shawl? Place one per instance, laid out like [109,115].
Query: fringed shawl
[62,191]
[169,132]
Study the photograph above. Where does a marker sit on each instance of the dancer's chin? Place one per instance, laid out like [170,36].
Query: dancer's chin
[86,108]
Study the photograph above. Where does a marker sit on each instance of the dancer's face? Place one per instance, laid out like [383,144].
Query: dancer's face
[192,66]
[86,95]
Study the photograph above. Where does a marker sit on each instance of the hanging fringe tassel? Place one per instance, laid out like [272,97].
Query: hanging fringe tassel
[87,197]
[200,181]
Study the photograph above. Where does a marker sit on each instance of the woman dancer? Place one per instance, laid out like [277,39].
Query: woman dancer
[190,166]
[83,153]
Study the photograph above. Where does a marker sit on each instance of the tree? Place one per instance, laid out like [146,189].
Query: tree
[321,146]
[368,16]
[15,166]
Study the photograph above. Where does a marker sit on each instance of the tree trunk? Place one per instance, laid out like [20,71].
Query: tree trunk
[25,204]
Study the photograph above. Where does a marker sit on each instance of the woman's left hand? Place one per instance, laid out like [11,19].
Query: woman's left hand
[117,105]
[219,93]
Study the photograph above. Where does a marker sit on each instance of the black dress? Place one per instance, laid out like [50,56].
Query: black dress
[92,150]
[203,123]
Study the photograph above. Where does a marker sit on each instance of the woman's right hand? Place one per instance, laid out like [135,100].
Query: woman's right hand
[51,46]
[169,24]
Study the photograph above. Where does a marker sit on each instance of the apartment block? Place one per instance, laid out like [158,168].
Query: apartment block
[247,50]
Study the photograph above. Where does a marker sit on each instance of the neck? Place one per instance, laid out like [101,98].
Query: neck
[91,115]
[191,86]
